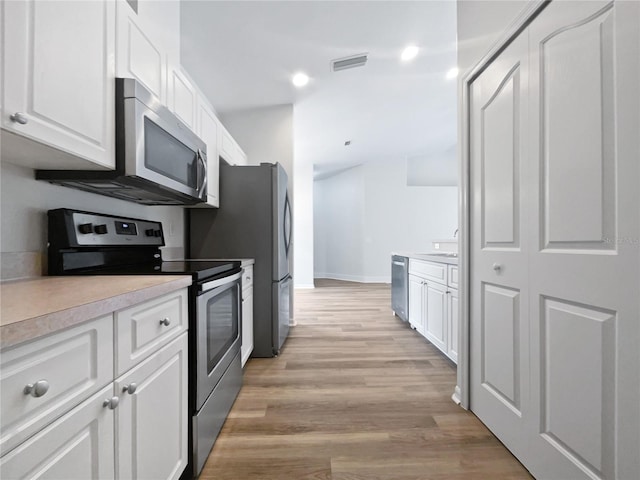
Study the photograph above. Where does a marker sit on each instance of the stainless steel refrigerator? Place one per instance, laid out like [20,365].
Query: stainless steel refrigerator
[253,221]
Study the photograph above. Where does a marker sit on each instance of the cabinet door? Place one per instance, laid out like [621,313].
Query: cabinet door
[208,131]
[152,420]
[79,445]
[436,314]
[247,325]
[183,98]
[68,366]
[416,303]
[59,83]
[226,146]
[452,325]
[140,52]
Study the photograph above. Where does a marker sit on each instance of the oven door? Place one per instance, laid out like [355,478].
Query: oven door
[218,320]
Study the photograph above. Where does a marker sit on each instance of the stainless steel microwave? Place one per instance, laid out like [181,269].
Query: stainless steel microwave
[159,160]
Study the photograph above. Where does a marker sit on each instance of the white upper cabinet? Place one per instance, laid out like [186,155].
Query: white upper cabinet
[58,69]
[147,41]
[183,98]
[208,127]
[229,150]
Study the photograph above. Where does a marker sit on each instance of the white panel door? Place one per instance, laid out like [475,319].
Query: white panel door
[499,294]
[566,288]
[584,226]
[436,314]
[152,416]
[58,64]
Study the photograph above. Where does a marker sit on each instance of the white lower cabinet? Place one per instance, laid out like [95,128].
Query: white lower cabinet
[452,322]
[151,418]
[416,302]
[433,304]
[436,314]
[79,445]
[247,314]
[65,416]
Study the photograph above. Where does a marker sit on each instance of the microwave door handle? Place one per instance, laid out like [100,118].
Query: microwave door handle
[202,174]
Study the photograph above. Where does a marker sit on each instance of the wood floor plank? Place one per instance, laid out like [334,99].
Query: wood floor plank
[355,394]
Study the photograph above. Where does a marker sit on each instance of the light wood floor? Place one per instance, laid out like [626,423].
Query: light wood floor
[355,394]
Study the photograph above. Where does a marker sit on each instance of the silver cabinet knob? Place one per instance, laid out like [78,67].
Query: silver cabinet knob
[131,388]
[248,279]
[20,118]
[165,321]
[497,267]
[37,389]
[111,403]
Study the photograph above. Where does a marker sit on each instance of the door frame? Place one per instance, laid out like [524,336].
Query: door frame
[461,394]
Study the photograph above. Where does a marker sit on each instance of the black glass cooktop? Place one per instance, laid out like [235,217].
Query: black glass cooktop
[198,269]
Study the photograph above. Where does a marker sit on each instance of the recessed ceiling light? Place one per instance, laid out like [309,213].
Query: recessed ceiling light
[453,73]
[300,79]
[409,53]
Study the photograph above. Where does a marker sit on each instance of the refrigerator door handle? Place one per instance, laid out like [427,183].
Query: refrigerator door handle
[287,224]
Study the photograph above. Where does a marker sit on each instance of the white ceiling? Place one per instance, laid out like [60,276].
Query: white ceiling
[244,53]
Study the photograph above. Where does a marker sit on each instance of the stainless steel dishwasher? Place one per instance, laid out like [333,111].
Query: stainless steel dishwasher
[399,286]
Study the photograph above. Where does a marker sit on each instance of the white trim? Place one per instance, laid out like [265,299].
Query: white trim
[353,278]
[304,286]
[462,390]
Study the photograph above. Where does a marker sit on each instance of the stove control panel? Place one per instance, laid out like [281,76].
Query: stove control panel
[92,229]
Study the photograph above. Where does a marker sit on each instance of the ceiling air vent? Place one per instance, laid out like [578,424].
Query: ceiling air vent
[349,62]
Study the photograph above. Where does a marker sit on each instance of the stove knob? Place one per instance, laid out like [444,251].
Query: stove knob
[85,228]
[100,229]
[157,233]
[149,232]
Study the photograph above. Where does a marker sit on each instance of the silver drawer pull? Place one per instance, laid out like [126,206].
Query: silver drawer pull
[497,267]
[165,321]
[131,388]
[37,389]
[248,279]
[111,403]
[20,118]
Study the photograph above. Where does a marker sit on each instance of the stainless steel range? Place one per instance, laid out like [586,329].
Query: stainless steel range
[85,243]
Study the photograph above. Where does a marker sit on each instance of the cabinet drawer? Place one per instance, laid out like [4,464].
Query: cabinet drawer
[143,329]
[247,280]
[453,276]
[436,272]
[75,363]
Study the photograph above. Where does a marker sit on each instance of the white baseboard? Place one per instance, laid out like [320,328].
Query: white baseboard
[353,278]
[304,286]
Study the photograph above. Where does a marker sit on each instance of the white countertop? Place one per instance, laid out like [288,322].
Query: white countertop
[39,306]
[441,257]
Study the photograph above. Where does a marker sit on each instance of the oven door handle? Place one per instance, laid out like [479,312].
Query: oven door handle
[219,282]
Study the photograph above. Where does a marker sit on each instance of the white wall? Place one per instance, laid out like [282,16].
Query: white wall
[339,230]
[303,225]
[265,134]
[480,24]
[25,202]
[367,212]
